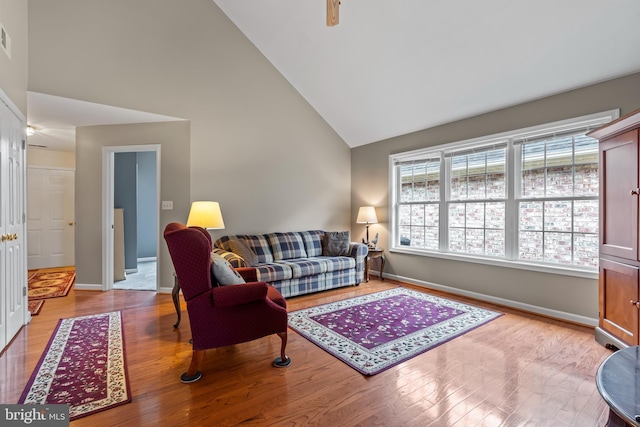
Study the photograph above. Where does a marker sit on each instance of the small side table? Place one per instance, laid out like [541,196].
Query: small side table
[618,381]
[372,255]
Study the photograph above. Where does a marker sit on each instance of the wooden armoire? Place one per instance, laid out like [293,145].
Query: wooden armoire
[619,278]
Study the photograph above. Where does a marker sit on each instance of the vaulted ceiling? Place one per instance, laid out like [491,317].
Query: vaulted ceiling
[394,67]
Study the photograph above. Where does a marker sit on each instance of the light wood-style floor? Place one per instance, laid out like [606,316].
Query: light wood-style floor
[518,370]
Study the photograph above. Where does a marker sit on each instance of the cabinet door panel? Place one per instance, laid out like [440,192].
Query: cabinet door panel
[618,294]
[619,211]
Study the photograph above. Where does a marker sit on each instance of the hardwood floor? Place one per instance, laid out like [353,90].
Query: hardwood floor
[518,370]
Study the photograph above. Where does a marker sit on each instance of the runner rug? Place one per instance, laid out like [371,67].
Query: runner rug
[84,366]
[50,284]
[374,332]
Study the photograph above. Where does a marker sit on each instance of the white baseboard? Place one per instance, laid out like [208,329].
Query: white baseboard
[148,259]
[562,315]
[94,287]
[83,287]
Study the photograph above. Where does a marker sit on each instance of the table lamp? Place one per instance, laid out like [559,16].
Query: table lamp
[206,215]
[367,215]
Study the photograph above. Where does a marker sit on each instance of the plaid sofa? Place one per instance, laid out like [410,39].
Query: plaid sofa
[293,263]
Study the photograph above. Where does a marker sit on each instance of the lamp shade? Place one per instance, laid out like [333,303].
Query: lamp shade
[367,215]
[205,215]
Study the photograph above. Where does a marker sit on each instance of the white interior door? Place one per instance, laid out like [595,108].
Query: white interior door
[51,237]
[13,274]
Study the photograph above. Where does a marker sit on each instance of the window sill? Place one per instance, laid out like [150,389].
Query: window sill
[562,270]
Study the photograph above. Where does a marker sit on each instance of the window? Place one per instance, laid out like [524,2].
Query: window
[527,197]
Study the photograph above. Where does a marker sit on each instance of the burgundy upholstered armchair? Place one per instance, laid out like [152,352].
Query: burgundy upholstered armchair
[222,315]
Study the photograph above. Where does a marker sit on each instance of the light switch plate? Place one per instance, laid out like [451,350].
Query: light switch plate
[167,205]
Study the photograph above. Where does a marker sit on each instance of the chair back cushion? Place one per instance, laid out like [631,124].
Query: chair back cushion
[190,252]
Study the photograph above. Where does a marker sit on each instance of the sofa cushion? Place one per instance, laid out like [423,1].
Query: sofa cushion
[240,248]
[286,246]
[335,243]
[224,273]
[273,272]
[302,267]
[312,242]
[337,263]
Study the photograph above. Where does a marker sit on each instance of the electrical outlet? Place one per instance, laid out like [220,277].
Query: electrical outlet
[167,205]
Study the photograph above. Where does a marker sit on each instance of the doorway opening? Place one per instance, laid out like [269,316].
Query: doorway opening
[131,190]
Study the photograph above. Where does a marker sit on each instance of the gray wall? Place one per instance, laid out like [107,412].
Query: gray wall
[173,138]
[147,205]
[13,72]
[256,146]
[370,184]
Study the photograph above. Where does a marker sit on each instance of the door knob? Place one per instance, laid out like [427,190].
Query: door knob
[635,192]
[70,222]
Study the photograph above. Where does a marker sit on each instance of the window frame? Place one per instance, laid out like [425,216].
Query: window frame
[511,138]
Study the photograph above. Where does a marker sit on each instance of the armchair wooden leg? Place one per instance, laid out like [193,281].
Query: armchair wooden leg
[283,360]
[193,374]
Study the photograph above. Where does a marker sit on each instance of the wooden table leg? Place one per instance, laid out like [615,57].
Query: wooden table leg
[175,293]
[381,266]
[366,268]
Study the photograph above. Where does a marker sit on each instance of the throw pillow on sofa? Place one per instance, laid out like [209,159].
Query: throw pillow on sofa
[224,272]
[239,247]
[335,243]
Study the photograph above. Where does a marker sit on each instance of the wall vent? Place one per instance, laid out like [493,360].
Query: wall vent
[5,41]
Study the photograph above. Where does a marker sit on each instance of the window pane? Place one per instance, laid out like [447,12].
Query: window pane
[495,242]
[559,151]
[558,248]
[432,215]
[496,215]
[585,150]
[557,216]
[431,238]
[417,237]
[559,181]
[456,215]
[585,250]
[585,216]
[405,235]
[417,215]
[530,216]
[406,192]
[532,181]
[433,180]
[404,213]
[458,178]
[419,191]
[530,246]
[475,241]
[456,239]
[496,186]
[586,180]
[475,215]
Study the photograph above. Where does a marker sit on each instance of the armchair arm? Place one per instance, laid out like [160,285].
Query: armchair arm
[227,296]
[359,252]
[249,274]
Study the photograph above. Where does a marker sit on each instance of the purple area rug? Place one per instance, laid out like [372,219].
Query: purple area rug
[84,366]
[374,332]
